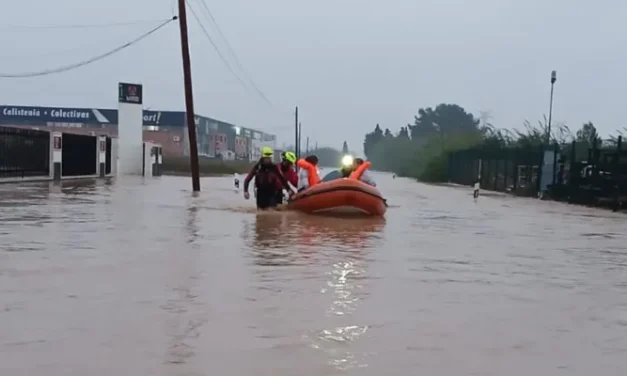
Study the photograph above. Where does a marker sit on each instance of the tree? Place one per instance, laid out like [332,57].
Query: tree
[444,120]
[345,148]
[372,139]
[388,133]
[531,136]
[403,133]
[587,133]
[424,125]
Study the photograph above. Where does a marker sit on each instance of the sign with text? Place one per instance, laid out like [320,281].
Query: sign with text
[18,115]
[130,93]
[81,117]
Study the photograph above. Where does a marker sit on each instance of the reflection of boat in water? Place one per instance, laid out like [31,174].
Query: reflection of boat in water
[338,195]
[275,236]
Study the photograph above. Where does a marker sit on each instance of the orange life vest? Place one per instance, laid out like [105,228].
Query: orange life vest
[356,175]
[312,171]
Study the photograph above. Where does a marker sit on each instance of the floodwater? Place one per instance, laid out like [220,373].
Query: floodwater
[142,278]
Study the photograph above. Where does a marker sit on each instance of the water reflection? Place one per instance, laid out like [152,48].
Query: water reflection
[191,224]
[289,229]
[187,316]
[327,258]
[283,238]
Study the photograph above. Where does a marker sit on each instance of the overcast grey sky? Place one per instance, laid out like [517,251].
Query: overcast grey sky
[347,64]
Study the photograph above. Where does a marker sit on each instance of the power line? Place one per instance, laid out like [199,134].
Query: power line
[215,47]
[228,45]
[82,26]
[82,47]
[88,61]
[49,53]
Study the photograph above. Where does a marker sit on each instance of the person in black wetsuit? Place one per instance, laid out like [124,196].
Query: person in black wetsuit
[268,181]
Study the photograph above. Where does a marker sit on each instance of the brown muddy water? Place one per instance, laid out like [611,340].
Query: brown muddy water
[141,278]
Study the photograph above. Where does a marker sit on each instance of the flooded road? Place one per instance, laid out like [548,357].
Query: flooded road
[141,278]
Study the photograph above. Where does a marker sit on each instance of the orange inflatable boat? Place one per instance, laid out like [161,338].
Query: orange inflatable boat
[340,196]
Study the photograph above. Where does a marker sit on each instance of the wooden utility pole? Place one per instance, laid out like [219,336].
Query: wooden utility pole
[189,99]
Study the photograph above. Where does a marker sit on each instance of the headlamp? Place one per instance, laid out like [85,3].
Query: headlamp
[347,161]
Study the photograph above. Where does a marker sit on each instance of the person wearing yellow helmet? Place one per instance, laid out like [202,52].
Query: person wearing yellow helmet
[288,157]
[288,160]
[267,152]
[269,181]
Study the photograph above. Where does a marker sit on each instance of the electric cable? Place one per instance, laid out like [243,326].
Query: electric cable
[215,47]
[82,26]
[232,52]
[90,60]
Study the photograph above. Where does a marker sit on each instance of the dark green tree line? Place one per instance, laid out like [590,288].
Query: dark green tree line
[421,149]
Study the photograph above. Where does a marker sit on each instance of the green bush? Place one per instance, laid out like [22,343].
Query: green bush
[427,160]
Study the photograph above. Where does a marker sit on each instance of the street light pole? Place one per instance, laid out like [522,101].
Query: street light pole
[548,132]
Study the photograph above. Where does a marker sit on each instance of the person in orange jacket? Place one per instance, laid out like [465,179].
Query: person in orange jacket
[365,176]
[303,174]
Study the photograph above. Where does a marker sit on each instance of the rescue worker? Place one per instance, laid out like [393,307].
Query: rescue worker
[288,160]
[268,180]
[303,174]
[365,176]
[348,166]
[346,171]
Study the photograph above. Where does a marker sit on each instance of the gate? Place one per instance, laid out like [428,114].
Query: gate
[108,157]
[24,153]
[79,155]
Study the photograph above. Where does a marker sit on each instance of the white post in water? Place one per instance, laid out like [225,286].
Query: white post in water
[236,182]
[130,131]
[477,185]
[102,156]
[57,155]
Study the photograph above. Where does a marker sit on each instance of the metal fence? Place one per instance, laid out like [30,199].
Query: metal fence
[79,155]
[575,172]
[24,153]
[593,176]
[498,169]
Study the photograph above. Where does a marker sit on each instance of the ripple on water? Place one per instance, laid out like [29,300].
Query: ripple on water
[142,277]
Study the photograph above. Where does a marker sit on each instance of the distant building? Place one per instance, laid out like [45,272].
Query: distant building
[216,139]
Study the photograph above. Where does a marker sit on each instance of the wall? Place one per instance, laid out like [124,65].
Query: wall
[256,146]
[171,140]
[218,144]
[164,127]
[241,147]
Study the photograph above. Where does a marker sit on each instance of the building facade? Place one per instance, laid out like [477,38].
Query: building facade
[215,138]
